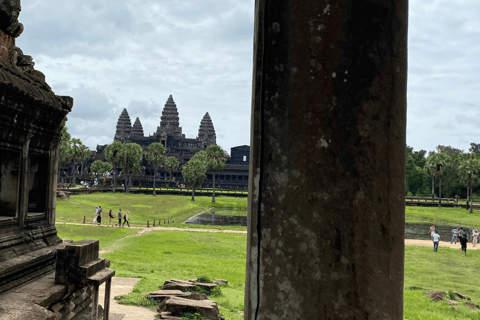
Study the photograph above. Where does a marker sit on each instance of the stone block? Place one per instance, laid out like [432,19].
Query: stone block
[207,308]
[23,310]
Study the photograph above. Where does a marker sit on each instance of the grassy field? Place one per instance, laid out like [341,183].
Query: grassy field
[157,256]
[146,207]
[445,270]
[442,216]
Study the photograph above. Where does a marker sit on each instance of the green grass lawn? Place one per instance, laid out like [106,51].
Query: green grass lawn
[442,216]
[157,256]
[145,207]
[445,270]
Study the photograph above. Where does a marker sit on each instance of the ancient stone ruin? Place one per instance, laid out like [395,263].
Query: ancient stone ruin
[178,296]
[41,277]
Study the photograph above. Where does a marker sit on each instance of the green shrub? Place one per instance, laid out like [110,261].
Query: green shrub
[191,316]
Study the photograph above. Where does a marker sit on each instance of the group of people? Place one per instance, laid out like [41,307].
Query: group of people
[458,234]
[98,217]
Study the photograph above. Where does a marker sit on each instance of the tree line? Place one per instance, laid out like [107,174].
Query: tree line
[445,172]
[128,157]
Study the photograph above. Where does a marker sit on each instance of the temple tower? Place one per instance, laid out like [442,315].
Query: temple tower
[137,129]
[124,127]
[206,132]
[170,121]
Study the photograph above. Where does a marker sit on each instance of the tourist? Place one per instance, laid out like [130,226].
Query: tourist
[454,235]
[120,217]
[461,233]
[111,216]
[96,215]
[432,231]
[463,242]
[99,217]
[436,239]
[475,237]
[125,219]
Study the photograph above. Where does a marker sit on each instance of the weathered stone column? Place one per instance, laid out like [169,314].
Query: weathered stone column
[327,175]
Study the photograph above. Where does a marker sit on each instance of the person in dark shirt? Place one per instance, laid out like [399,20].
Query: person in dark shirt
[463,242]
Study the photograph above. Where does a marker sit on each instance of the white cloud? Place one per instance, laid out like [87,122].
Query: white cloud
[111,55]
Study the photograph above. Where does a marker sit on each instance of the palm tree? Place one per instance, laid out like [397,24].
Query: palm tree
[155,156]
[216,158]
[436,166]
[171,164]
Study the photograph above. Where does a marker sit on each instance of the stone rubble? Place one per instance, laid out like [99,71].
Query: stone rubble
[178,296]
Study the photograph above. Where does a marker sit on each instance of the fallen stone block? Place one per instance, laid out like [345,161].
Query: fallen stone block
[461,296]
[436,295]
[220,281]
[179,285]
[206,286]
[206,308]
[472,305]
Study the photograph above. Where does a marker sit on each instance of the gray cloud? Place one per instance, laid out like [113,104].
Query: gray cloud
[111,55]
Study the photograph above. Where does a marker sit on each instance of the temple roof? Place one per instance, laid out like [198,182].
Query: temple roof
[206,131]
[124,126]
[137,129]
[169,121]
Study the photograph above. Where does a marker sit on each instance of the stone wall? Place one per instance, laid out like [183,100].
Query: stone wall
[218,220]
[421,231]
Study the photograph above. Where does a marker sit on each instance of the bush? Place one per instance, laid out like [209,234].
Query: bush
[191,316]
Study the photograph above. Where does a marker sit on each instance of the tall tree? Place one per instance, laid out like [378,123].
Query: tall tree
[414,175]
[112,155]
[83,156]
[171,164]
[468,172]
[448,150]
[65,152]
[130,158]
[194,171]
[474,147]
[155,155]
[436,166]
[216,158]
[79,152]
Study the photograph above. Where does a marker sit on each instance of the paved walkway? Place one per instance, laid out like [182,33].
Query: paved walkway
[121,312]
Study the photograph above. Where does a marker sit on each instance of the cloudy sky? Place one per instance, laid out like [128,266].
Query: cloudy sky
[111,55]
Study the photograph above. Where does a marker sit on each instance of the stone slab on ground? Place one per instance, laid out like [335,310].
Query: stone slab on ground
[207,308]
[181,285]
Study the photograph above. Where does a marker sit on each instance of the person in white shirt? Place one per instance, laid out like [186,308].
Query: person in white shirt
[454,235]
[436,240]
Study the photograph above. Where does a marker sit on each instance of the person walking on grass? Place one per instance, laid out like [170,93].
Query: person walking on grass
[120,216]
[454,235]
[463,242]
[436,240]
[96,215]
[125,219]
[475,237]
[111,216]
[432,231]
[99,217]
[461,233]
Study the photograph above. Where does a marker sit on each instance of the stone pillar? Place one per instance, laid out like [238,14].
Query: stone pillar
[327,184]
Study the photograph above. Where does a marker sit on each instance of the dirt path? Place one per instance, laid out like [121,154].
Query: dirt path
[145,229]
[445,244]
[120,312]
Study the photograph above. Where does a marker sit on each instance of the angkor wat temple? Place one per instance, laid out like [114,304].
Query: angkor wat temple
[169,133]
